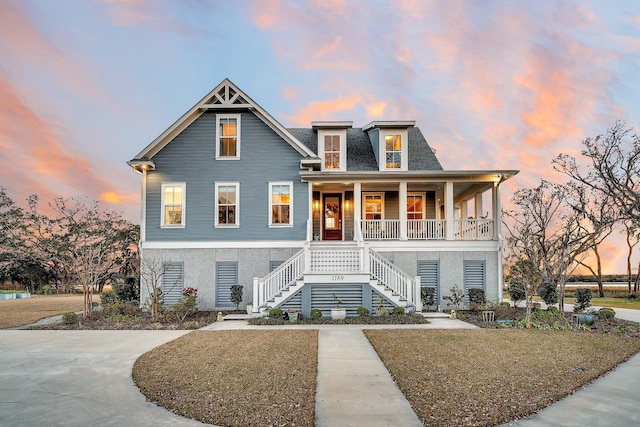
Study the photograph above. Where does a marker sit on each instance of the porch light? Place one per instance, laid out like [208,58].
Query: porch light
[346,204]
[316,205]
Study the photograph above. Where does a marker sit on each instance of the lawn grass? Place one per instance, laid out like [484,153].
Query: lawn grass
[610,302]
[235,378]
[489,377]
[19,312]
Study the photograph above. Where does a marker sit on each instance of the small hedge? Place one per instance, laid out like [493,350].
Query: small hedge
[70,318]
[361,311]
[607,313]
[315,314]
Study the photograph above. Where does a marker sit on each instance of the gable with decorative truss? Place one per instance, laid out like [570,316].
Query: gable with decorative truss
[225,95]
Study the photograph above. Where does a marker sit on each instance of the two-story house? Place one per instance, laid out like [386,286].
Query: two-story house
[298,216]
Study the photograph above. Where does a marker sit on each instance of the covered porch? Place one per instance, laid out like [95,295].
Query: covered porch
[447,206]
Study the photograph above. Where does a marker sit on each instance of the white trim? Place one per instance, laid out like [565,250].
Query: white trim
[270,217]
[238,118]
[342,134]
[261,244]
[236,224]
[384,246]
[364,204]
[163,186]
[143,207]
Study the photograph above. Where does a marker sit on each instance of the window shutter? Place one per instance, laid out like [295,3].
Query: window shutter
[226,275]
[172,282]
[429,272]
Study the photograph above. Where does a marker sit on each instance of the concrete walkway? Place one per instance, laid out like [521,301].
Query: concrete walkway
[354,388]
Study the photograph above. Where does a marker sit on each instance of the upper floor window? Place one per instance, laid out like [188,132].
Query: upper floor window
[227,198]
[228,136]
[173,203]
[281,203]
[373,205]
[393,151]
[332,151]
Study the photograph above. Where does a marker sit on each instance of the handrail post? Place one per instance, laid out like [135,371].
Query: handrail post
[256,294]
[417,293]
[307,258]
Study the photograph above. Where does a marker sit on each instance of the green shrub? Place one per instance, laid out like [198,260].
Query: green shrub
[48,290]
[315,313]
[553,309]
[70,318]
[428,296]
[606,313]
[549,293]
[275,312]
[121,308]
[127,290]
[583,299]
[107,298]
[476,296]
[398,310]
[236,295]
[362,311]
[517,292]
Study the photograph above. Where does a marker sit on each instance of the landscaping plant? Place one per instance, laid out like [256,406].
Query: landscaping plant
[455,298]
[583,299]
[236,295]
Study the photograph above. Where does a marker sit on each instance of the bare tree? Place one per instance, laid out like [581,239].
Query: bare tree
[90,243]
[525,272]
[612,168]
[158,278]
[547,230]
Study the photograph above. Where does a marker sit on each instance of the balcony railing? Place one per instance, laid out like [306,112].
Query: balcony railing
[473,229]
[426,229]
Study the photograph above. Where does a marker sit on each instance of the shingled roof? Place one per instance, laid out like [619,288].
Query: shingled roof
[360,155]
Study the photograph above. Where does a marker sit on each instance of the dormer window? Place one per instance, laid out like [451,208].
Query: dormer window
[332,151]
[332,144]
[393,151]
[228,136]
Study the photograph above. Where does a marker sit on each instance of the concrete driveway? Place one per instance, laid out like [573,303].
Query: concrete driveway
[77,378]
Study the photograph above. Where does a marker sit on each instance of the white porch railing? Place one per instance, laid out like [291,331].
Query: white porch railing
[281,278]
[380,229]
[473,229]
[425,229]
[392,277]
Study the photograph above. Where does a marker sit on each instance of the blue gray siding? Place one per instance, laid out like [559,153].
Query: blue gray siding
[374,138]
[190,158]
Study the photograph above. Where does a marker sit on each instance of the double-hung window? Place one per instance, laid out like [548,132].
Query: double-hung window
[280,203]
[415,206]
[373,206]
[227,204]
[332,151]
[173,205]
[393,151]
[228,136]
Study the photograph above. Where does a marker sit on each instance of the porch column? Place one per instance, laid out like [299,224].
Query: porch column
[478,205]
[403,210]
[357,209]
[464,209]
[497,223]
[497,210]
[448,210]
[310,221]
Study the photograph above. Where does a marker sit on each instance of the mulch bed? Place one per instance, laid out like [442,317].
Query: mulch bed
[391,319]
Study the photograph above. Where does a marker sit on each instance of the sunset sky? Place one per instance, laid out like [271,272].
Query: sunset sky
[86,84]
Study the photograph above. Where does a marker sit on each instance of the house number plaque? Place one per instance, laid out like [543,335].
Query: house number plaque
[337,278]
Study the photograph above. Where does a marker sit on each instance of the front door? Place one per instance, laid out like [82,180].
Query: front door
[332,217]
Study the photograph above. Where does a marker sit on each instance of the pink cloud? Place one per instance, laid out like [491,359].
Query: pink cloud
[36,160]
[322,110]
